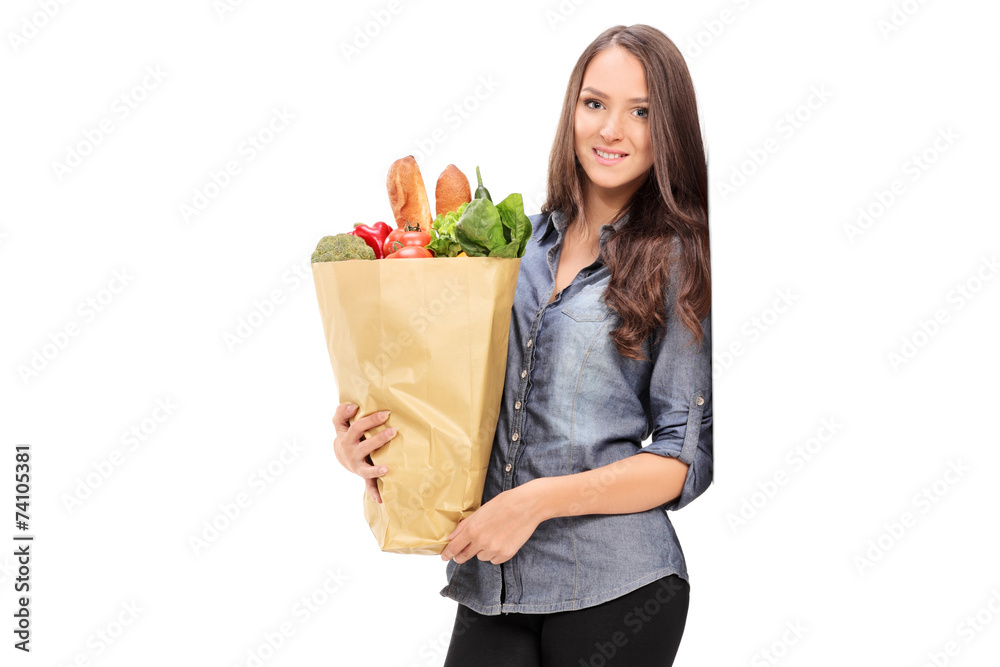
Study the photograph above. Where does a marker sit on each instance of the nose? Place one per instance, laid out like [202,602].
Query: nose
[612,129]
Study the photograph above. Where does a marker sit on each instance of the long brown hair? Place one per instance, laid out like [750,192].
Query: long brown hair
[672,202]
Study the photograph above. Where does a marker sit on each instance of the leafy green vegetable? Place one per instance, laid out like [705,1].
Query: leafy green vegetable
[443,241]
[488,230]
[483,229]
[513,218]
[480,229]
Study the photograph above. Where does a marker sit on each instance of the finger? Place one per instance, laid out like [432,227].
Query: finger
[369,445]
[342,416]
[454,548]
[465,554]
[373,472]
[372,487]
[367,423]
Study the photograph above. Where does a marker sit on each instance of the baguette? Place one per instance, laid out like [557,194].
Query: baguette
[407,194]
[452,190]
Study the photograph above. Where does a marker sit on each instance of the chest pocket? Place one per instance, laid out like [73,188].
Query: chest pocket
[588,305]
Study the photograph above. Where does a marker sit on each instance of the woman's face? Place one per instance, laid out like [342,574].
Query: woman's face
[612,117]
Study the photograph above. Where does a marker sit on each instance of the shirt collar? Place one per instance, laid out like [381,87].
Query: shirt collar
[558,221]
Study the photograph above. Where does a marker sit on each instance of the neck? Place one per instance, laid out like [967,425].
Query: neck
[600,206]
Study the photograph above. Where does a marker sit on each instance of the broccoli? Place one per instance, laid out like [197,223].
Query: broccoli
[341,247]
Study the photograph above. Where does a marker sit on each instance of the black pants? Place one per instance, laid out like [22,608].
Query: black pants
[642,628]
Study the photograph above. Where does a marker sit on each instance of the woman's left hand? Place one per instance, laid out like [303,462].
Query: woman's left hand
[496,530]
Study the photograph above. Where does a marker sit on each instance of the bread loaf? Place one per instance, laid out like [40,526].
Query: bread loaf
[452,190]
[407,194]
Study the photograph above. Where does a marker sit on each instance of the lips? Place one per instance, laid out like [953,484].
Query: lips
[609,155]
[609,161]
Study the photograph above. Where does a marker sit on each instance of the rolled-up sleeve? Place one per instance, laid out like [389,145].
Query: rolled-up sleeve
[680,403]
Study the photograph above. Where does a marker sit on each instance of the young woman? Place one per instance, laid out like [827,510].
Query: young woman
[572,559]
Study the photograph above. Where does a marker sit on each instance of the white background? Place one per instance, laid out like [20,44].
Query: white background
[763,555]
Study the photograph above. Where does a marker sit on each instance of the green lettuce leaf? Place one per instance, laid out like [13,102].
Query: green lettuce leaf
[516,224]
[443,240]
[482,229]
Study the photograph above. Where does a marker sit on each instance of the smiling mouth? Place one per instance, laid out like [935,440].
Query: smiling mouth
[610,156]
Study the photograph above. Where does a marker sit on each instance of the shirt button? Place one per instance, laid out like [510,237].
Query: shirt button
[517,406]
[524,373]
[700,401]
[514,437]
[507,468]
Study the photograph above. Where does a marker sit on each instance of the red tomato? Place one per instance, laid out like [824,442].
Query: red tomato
[405,237]
[410,251]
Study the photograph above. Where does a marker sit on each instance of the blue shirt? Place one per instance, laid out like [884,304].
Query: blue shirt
[572,403]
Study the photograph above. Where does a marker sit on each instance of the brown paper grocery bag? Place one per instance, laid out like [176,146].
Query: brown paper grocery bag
[426,339]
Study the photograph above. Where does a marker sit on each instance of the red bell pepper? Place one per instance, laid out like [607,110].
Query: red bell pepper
[373,235]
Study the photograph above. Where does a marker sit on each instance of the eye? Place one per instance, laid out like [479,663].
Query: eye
[645,112]
[587,103]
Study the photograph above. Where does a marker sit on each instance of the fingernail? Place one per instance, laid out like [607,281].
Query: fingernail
[384,414]
[352,407]
[382,470]
[390,432]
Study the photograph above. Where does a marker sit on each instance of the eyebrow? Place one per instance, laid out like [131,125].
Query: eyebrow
[595,91]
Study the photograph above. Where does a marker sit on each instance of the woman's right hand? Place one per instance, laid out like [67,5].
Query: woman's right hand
[353,449]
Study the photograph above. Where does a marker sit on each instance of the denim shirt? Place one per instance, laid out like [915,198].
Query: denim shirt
[572,403]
